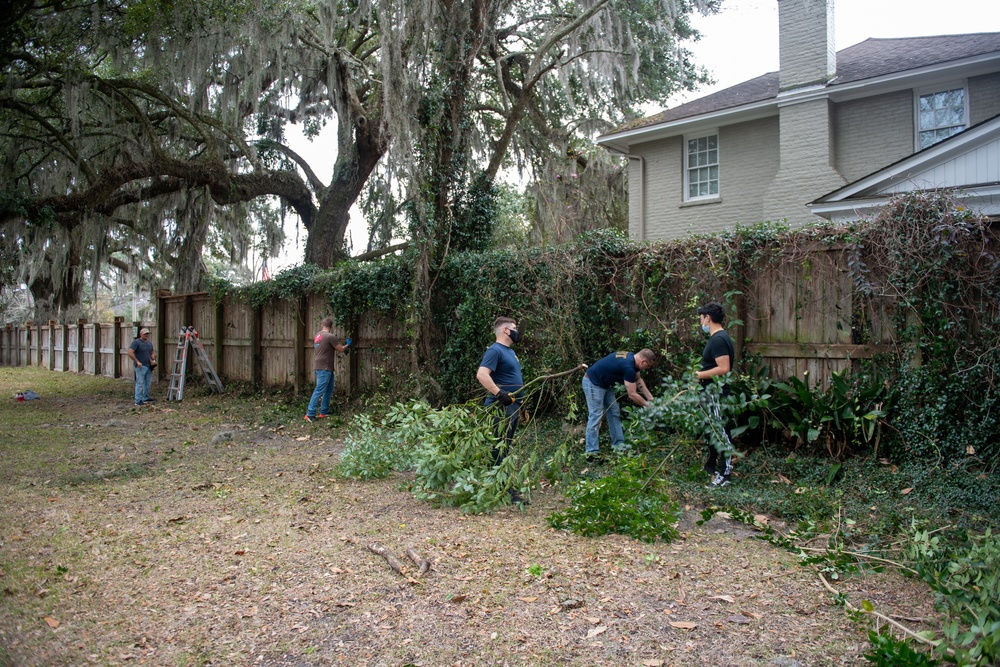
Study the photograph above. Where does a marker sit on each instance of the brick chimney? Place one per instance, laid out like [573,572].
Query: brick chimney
[807,164]
[806,47]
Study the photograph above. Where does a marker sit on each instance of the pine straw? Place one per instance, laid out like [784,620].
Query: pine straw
[246,552]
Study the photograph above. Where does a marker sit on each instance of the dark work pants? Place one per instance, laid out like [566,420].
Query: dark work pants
[505,421]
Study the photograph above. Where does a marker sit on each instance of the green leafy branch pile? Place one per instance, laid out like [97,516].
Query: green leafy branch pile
[450,451]
[631,500]
[684,406]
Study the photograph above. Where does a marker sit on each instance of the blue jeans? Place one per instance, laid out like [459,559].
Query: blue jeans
[143,376]
[324,388]
[601,402]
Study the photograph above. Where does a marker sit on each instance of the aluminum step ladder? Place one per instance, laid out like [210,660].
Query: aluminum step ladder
[189,340]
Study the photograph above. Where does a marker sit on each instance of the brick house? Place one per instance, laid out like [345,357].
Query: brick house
[830,135]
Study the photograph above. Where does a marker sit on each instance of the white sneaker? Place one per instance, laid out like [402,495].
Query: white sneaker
[718,481]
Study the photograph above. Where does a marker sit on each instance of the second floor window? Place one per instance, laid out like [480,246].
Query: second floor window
[940,114]
[702,167]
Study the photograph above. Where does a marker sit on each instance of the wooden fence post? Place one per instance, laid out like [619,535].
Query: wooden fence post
[64,366]
[302,312]
[116,345]
[97,348]
[220,333]
[38,345]
[79,345]
[161,333]
[52,345]
[354,365]
[256,347]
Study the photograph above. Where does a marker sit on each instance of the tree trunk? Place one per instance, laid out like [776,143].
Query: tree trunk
[361,145]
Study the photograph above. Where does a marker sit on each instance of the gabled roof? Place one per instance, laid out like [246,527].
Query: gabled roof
[871,59]
[968,162]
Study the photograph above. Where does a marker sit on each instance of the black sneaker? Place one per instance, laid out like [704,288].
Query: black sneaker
[148,401]
[516,498]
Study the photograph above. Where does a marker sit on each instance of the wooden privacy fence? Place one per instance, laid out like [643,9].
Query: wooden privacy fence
[82,347]
[273,344]
[804,315]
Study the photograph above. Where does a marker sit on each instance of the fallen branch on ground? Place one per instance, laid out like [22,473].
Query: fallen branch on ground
[420,562]
[377,548]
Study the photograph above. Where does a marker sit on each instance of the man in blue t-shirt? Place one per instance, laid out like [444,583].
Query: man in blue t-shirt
[717,361]
[500,374]
[143,358]
[599,389]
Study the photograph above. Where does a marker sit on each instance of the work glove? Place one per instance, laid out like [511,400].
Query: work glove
[347,344]
[503,398]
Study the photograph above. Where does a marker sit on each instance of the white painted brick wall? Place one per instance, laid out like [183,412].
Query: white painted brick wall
[873,132]
[748,154]
[806,169]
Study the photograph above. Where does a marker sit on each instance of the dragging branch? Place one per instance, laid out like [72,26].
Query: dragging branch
[896,624]
[378,549]
[422,564]
[551,376]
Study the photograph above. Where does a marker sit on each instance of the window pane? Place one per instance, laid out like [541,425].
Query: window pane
[940,115]
[703,167]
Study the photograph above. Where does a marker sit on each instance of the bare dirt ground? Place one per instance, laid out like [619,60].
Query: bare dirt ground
[211,532]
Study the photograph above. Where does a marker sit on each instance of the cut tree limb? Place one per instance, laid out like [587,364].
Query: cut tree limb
[377,548]
[420,562]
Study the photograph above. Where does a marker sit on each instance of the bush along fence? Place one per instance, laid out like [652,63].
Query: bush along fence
[81,347]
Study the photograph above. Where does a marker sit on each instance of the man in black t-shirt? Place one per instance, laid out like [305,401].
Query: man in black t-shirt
[717,360]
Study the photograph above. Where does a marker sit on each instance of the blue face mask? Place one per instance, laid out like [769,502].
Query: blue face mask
[704,327]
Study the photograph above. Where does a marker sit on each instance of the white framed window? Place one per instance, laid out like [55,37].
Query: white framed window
[701,167]
[940,113]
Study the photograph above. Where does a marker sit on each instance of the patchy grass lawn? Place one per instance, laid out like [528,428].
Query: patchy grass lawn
[212,533]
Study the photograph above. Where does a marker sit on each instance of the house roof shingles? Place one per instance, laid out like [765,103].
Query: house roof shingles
[867,60]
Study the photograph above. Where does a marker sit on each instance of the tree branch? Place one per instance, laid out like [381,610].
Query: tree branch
[317,185]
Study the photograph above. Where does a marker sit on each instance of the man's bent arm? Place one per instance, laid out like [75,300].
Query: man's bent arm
[634,394]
